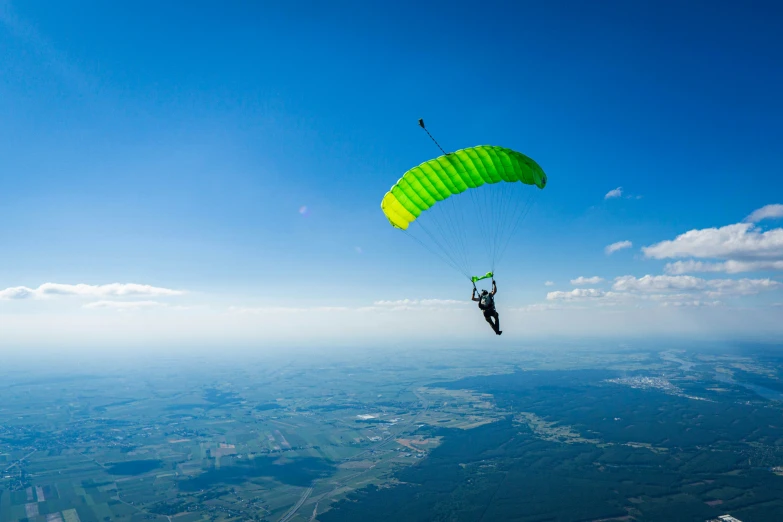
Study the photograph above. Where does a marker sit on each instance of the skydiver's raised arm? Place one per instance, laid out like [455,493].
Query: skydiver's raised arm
[494,288]
[473,296]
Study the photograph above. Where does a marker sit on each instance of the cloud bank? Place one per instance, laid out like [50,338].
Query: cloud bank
[82,290]
[741,241]
[124,305]
[728,267]
[575,294]
[731,249]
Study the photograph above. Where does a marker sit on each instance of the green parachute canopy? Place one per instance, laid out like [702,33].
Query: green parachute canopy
[440,178]
[465,203]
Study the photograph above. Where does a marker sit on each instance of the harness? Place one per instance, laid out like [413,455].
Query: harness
[487,302]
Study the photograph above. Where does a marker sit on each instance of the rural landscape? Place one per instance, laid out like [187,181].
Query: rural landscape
[632,434]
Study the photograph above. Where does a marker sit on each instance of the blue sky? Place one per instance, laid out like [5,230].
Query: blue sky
[175,146]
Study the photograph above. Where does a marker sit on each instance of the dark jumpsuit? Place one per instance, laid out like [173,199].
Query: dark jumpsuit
[490,313]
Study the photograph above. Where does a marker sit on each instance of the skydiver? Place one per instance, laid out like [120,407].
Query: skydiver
[486,302]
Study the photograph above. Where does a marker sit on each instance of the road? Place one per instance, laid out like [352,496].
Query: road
[19,462]
[315,513]
[291,512]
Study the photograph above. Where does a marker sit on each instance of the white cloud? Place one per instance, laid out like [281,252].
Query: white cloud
[729,267]
[614,247]
[651,283]
[114,289]
[17,292]
[741,247]
[619,193]
[721,287]
[124,305]
[399,305]
[663,290]
[695,302]
[549,283]
[402,305]
[766,212]
[581,280]
[684,283]
[420,302]
[664,297]
[537,307]
[575,294]
[83,290]
[741,241]
[265,310]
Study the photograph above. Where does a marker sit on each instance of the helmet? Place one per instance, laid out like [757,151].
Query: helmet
[484,292]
